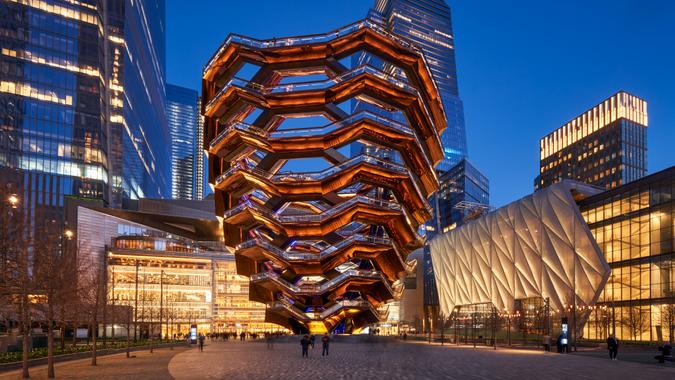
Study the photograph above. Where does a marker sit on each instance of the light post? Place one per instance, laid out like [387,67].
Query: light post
[161,303]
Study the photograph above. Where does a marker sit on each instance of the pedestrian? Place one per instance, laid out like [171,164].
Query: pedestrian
[304,342]
[325,341]
[405,336]
[270,342]
[242,336]
[559,344]
[311,340]
[666,353]
[612,346]
[547,343]
[201,342]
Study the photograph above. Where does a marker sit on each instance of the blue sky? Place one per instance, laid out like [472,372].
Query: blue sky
[524,67]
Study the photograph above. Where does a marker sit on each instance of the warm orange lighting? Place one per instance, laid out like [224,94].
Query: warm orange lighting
[69,234]
[13,200]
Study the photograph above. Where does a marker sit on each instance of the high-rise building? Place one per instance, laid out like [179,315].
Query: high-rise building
[139,136]
[182,116]
[54,138]
[428,24]
[201,168]
[82,105]
[463,194]
[605,146]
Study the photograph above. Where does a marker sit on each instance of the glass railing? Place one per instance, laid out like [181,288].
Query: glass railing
[289,177]
[309,289]
[300,255]
[311,85]
[313,131]
[320,85]
[319,39]
[309,39]
[313,217]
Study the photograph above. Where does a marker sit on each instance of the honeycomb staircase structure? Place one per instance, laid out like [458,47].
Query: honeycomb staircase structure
[330,245]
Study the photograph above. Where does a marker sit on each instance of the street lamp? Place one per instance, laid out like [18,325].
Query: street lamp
[69,234]
[13,200]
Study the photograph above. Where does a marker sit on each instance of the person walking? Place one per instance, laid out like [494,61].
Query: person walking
[312,338]
[325,342]
[304,342]
[201,342]
[612,346]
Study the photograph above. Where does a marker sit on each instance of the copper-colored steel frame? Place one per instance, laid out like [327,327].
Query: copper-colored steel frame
[225,104]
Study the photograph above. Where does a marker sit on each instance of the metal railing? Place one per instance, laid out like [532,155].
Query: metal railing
[318,85]
[317,39]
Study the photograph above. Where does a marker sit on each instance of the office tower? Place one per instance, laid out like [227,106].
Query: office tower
[80,118]
[605,146]
[139,142]
[326,250]
[202,183]
[182,116]
[463,195]
[428,24]
[52,103]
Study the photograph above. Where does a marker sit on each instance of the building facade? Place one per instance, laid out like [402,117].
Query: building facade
[139,135]
[604,261]
[605,146]
[168,267]
[633,225]
[54,139]
[71,96]
[428,24]
[186,155]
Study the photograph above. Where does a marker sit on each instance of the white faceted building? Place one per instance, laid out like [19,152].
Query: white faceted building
[538,246]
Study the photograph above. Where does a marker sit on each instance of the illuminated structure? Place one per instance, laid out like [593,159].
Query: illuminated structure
[428,25]
[605,146]
[82,96]
[326,247]
[186,146]
[538,246]
[165,262]
[604,259]
[634,225]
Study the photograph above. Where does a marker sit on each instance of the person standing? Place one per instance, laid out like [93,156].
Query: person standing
[201,342]
[325,342]
[304,342]
[312,338]
[612,347]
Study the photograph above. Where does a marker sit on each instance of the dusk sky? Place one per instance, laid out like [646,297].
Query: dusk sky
[524,67]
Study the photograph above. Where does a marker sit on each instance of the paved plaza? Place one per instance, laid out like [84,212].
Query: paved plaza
[385,359]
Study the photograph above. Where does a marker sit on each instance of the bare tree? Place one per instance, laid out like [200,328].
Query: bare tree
[17,279]
[635,321]
[668,319]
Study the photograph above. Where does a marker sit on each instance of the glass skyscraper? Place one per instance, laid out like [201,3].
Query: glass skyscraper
[182,116]
[138,128]
[427,23]
[52,104]
[82,106]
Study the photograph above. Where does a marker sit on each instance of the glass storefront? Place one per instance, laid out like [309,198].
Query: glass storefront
[633,226]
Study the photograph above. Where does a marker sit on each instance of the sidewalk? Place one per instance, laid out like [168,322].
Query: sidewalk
[110,367]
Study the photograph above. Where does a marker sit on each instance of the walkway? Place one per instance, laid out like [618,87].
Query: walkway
[397,360]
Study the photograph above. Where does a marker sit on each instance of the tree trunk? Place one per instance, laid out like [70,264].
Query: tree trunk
[50,341]
[26,336]
[93,348]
